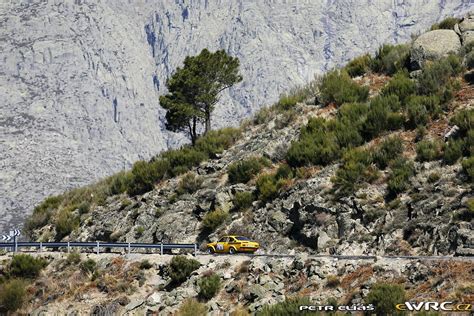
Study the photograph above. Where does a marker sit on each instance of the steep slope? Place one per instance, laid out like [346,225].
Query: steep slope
[79,80]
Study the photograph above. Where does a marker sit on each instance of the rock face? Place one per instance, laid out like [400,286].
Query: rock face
[80,80]
[305,217]
[466,29]
[434,45]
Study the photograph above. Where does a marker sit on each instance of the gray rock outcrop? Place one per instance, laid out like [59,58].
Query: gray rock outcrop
[434,45]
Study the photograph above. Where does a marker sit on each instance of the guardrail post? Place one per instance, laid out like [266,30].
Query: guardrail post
[161,248]
[41,246]
[97,247]
[16,244]
[195,249]
[128,248]
[68,247]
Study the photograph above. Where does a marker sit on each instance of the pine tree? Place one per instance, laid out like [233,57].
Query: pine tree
[194,91]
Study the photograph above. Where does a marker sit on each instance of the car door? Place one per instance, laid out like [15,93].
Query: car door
[232,242]
[221,244]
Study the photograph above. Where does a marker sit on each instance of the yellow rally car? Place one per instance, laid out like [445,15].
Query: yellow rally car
[232,244]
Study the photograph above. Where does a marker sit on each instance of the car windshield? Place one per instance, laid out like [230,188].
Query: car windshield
[223,239]
[242,238]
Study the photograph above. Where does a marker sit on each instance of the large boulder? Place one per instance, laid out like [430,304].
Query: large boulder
[433,45]
[466,29]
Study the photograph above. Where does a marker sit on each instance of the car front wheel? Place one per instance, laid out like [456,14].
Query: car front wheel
[232,250]
[210,250]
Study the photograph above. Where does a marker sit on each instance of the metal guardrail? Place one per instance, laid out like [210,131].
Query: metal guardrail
[97,245]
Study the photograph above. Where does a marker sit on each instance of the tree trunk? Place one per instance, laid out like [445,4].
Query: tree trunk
[194,135]
[208,122]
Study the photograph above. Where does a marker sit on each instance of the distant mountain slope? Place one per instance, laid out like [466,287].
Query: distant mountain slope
[79,81]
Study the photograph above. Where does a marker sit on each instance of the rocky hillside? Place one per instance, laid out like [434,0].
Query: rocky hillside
[135,285]
[320,176]
[80,80]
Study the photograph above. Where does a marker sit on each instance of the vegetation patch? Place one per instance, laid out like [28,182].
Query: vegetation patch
[244,170]
[12,295]
[401,172]
[429,150]
[355,170]
[243,200]
[337,87]
[214,219]
[384,297]
[180,268]
[209,285]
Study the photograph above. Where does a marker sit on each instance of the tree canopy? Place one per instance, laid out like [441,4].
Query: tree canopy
[194,90]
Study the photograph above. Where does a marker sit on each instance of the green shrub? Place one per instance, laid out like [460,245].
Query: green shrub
[189,183]
[390,59]
[119,182]
[430,103]
[84,207]
[182,160]
[209,286]
[384,297]
[244,170]
[243,200]
[470,142]
[73,258]
[12,295]
[346,135]
[359,65]
[26,266]
[402,171]
[353,114]
[215,142]
[145,175]
[446,24]
[427,150]
[433,177]
[388,150]
[214,219]
[332,281]
[464,119]
[377,120]
[321,149]
[145,265]
[287,102]
[317,144]
[469,60]
[338,87]
[453,151]
[89,266]
[191,307]
[66,222]
[267,187]
[417,113]
[395,121]
[180,268]
[401,86]
[139,230]
[466,215]
[435,76]
[355,170]
[288,307]
[42,213]
[468,167]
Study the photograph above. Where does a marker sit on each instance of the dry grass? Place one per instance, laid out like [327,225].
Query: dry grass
[357,277]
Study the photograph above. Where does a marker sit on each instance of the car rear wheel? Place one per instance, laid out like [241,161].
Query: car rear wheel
[210,250]
[232,250]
